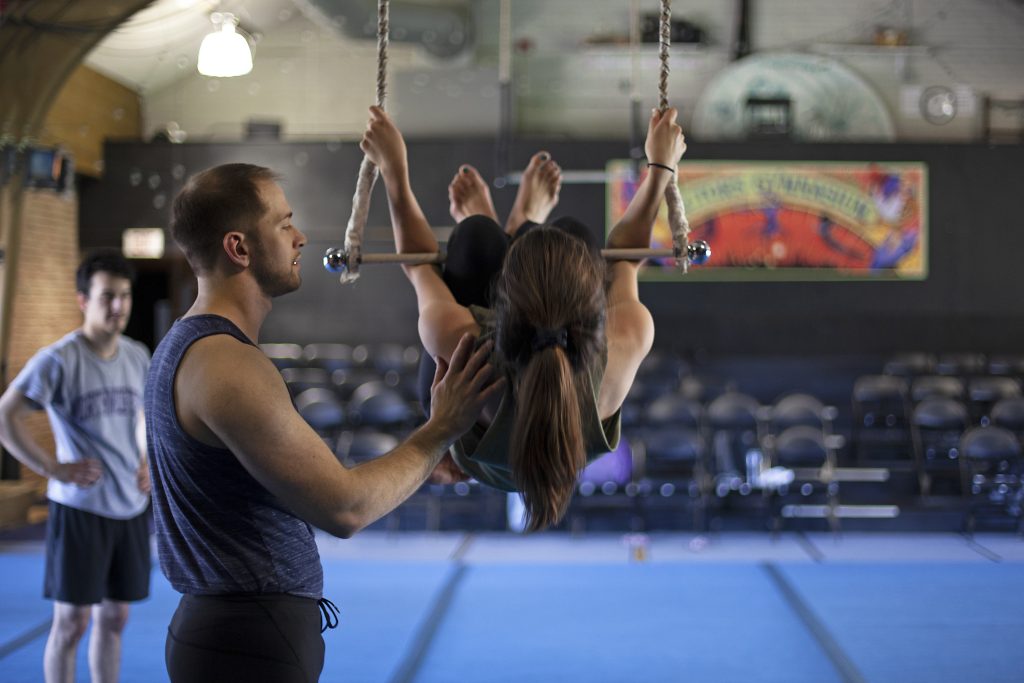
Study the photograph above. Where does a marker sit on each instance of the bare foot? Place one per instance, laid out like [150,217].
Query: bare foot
[538,192]
[468,195]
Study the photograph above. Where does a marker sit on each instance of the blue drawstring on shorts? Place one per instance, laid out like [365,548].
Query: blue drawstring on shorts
[328,614]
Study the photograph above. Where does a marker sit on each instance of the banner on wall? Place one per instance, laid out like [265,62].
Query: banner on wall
[793,220]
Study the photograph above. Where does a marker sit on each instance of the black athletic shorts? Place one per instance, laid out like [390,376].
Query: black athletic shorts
[90,557]
[252,638]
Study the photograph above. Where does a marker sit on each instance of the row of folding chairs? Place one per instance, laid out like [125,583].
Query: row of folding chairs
[334,386]
[966,435]
[937,428]
[734,445]
[382,357]
[375,403]
[613,483]
[991,470]
[895,418]
[892,399]
[695,457]
[915,364]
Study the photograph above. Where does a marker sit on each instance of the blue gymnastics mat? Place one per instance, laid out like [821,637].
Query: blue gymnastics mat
[860,609]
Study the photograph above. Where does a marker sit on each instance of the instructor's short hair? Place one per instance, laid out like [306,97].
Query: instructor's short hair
[105,261]
[213,203]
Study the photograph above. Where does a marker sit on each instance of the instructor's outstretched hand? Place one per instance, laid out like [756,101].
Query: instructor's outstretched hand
[462,388]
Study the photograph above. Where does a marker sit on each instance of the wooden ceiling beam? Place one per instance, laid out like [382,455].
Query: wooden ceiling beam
[41,44]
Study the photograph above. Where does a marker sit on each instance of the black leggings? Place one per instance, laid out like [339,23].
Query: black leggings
[476,252]
[273,638]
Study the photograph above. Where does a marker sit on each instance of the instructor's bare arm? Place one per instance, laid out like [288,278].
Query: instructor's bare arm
[229,394]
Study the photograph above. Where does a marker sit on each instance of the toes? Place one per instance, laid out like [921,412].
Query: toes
[472,175]
[463,175]
[464,179]
[551,172]
[537,161]
[466,185]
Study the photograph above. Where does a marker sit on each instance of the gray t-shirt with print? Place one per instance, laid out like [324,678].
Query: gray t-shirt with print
[94,405]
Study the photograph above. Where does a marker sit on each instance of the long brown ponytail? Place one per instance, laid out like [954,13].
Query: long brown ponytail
[550,305]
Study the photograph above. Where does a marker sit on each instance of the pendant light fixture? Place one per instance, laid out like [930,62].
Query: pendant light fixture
[225,52]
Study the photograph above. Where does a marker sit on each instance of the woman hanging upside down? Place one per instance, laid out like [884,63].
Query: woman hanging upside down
[569,329]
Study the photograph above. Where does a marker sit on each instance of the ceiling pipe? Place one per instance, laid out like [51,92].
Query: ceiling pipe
[741,31]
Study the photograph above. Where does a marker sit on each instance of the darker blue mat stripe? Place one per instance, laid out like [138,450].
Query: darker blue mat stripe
[409,667]
[25,638]
[843,664]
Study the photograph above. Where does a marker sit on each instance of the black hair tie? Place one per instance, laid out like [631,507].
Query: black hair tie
[543,338]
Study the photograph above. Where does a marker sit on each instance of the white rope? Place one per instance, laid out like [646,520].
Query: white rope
[505,41]
[367,169]
[677,221]
[634,50]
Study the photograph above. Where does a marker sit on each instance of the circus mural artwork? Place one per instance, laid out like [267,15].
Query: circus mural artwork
[794,220]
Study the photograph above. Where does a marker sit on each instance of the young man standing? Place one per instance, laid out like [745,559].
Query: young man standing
[97,544]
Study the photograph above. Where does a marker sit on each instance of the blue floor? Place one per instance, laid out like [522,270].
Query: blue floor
[911,623]
[642,622]
[434,609]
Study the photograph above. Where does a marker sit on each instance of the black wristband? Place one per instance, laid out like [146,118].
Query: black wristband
[656,165]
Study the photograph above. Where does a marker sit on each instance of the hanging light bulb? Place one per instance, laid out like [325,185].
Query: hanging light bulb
[225,52]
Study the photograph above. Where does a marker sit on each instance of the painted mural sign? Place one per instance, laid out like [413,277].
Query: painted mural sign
[794,220]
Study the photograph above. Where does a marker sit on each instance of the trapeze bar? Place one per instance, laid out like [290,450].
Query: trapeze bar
[409,259]
[568,178]
[337,260]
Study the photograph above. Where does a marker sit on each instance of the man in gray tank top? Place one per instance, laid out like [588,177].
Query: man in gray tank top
[239,477]
[90,383]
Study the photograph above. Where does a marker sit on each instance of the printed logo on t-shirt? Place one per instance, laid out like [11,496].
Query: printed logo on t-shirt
[116,401]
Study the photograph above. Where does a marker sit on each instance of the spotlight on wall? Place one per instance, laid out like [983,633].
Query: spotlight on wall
[225,52]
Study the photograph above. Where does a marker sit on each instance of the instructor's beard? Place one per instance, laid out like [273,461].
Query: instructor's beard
[272,283]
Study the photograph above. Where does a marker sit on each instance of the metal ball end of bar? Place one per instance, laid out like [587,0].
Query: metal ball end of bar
[336,260]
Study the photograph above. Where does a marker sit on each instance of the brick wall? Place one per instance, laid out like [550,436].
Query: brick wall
[44,298]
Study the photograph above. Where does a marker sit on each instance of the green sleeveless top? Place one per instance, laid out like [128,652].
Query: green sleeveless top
[483,453]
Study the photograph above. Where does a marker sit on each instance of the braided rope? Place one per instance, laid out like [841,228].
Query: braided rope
[665,40]
[367,169]
[677,221]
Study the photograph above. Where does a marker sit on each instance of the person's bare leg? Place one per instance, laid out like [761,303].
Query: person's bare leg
[538,192]
[468,195]
[108,621]
[69,624]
